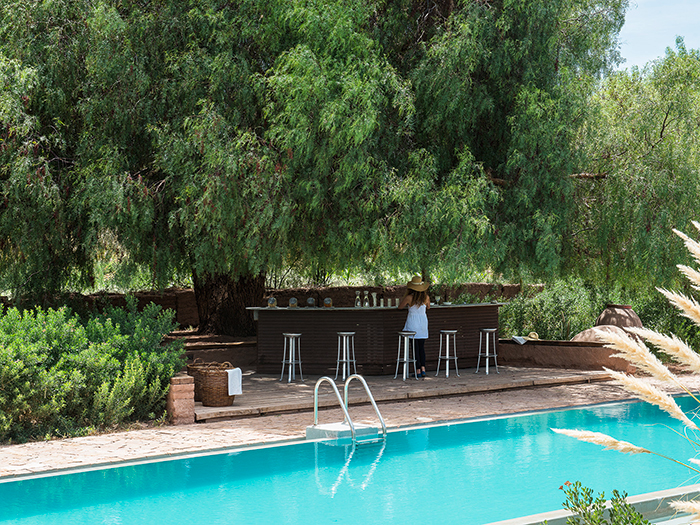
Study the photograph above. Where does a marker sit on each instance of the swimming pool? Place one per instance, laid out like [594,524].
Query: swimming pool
[473,472]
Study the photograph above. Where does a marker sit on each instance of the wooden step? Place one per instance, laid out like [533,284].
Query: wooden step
[239,351]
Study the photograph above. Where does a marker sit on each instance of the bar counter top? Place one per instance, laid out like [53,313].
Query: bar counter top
[365,308]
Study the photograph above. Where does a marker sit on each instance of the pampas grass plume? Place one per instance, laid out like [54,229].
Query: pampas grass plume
[692,274]
[610,443]
[687,305]
[636,353]
[653,395]
[672,346]
[692,245]
[691,507]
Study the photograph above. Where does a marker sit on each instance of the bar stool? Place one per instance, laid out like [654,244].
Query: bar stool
[448,334]
[405,338]
[346,349]
[293,358]
[487,333]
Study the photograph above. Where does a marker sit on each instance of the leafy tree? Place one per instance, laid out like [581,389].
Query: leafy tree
[506,83]
[227,139]
[40,226]
[640,173]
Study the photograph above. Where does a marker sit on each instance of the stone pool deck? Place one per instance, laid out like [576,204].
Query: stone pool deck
[270,412]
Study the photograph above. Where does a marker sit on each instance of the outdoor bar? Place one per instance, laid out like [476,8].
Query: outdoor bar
[376,335]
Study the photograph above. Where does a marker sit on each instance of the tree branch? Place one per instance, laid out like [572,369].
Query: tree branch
[585,175]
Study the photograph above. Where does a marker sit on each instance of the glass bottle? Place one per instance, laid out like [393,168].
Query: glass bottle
[358,301]
[366,303]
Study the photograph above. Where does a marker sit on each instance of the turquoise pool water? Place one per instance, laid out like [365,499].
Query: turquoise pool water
[468,473]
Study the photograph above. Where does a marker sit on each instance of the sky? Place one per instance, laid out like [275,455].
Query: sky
[652,25]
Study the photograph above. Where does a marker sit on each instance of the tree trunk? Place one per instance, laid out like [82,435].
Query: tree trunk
[222,301]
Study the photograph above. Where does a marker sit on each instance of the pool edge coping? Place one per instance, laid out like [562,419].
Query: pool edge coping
[278,442]
[653,505]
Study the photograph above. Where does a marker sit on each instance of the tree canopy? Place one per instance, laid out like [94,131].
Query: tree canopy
[640,172]
[227,139]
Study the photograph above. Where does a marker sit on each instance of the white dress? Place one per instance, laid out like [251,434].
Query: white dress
[417,321]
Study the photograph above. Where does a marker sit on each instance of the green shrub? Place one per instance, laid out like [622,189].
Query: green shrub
[563,309]
[657,314]
[590,511]
[60,375]
[566,307]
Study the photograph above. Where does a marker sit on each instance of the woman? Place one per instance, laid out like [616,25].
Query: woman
[417,301]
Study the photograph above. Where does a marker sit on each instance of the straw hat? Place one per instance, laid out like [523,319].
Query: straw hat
[532,336]
[417,284]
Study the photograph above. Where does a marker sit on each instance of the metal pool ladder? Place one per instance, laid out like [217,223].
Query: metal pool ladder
[340,430]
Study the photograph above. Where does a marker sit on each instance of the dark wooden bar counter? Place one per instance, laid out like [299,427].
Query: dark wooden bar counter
[376,337]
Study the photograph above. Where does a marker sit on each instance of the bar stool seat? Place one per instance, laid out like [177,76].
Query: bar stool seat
[447,335]
[405,340]
[346,353]
[487,333]
[292,358]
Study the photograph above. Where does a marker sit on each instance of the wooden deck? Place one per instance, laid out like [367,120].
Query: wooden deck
[266,394]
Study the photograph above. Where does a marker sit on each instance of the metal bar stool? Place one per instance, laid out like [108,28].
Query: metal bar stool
[405,340]
[487,333]
[293,358]
[346,353]
[448,334]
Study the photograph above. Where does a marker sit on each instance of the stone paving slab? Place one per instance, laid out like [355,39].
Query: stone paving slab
[64,455]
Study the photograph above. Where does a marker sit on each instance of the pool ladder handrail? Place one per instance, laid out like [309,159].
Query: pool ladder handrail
[344,405]
[340,401]
[369,394]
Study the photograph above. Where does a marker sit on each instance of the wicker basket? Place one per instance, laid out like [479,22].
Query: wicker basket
[214,385]
[193,370]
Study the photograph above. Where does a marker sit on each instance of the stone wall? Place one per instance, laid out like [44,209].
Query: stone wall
[181,300]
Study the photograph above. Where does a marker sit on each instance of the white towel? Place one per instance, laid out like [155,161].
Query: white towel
[235,378]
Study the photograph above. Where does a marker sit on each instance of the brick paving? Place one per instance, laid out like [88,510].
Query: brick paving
[288,413]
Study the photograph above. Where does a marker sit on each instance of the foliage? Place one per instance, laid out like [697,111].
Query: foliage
[639,354]
[563,309]
[506,86]
[60,375]
[639,173]
[566,307]
[657,314]
[590,511]
[214,139]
